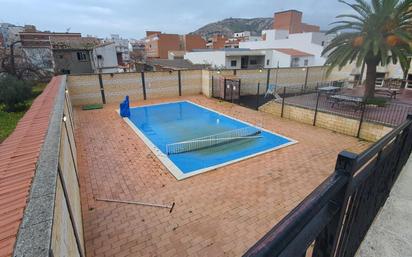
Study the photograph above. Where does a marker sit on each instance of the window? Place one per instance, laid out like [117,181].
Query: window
[267,62]
[61,56]
[81,56]
[253,61]
[233,63]
[323,43]
[236,46]
[306,62]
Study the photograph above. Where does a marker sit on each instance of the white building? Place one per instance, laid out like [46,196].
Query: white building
[105,58]
[243,58]
[308,42]
[123,48]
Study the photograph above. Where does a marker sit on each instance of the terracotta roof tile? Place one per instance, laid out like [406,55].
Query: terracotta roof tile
[293,52]
[18,157]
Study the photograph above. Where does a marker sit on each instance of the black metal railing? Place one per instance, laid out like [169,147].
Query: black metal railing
[387,113]
[336,216]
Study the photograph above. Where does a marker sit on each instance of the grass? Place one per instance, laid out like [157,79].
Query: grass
[9,120]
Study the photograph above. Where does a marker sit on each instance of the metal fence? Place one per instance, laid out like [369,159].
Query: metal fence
[336,216]
[313,98]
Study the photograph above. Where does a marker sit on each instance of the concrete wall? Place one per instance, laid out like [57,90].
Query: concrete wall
[56,182]
[369,131]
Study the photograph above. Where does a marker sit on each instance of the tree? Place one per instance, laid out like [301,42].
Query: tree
[17,64]
[14,92]
[378,33]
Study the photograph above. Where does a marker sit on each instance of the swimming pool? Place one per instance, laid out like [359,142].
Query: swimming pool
[163,124]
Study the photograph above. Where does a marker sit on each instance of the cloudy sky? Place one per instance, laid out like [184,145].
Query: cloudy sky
[131,18]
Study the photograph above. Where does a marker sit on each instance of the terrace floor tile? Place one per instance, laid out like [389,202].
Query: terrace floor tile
[218,213]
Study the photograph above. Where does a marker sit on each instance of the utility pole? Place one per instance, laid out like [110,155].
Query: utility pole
[13,65]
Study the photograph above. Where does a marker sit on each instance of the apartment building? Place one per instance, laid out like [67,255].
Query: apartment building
[158,44]
[289,32]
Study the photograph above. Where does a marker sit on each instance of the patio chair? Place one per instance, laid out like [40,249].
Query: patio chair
[272,91]
[391,87]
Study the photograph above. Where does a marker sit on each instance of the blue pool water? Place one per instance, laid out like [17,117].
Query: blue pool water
[174,122]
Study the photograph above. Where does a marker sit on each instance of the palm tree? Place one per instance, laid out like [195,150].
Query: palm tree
[377,33]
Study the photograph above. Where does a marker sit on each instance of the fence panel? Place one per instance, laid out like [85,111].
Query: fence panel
[338,213]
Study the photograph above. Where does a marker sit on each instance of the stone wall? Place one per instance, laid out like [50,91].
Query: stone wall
[369,131]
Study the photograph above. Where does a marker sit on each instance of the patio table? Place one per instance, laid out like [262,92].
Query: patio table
[357,100]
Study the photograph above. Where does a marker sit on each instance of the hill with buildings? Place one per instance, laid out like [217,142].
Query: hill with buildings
[231,25]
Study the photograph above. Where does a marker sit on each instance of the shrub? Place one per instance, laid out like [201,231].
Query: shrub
[14,93]
[380,102]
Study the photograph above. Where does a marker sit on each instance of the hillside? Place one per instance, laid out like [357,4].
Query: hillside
[228,26]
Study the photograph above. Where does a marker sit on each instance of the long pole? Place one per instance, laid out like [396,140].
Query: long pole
[13,65]
[257,96]
[139,203]
[306,77]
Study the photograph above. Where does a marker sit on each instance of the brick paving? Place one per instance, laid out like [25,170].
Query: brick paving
[218,213]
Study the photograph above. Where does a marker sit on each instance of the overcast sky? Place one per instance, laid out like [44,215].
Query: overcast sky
[131,18]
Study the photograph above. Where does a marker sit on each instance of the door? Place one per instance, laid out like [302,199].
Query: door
[244,61]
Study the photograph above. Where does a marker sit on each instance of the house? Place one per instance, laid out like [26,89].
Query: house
[158,44]
[37,45]
[244,58]
[230,58]
[74,56]
[290,33]
[85,55]
[105,58]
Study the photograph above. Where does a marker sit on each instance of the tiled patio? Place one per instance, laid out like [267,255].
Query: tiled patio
[217,213]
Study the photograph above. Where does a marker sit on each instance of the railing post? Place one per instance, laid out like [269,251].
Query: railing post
[283,101]
[257,96]
[102,88]
[329,239]
[267,79]
[239,90]
[213,85]
[224,89]
[316,109]
[361,119]
[143,85]
[180,82]
[306,77]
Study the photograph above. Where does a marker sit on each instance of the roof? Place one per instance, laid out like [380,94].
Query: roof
[83,43]
[18,157]
[292,52]
[174,64]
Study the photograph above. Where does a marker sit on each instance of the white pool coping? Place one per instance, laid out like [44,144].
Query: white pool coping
[177,173]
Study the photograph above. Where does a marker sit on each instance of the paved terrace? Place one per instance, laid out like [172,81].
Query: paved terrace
[217,213]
